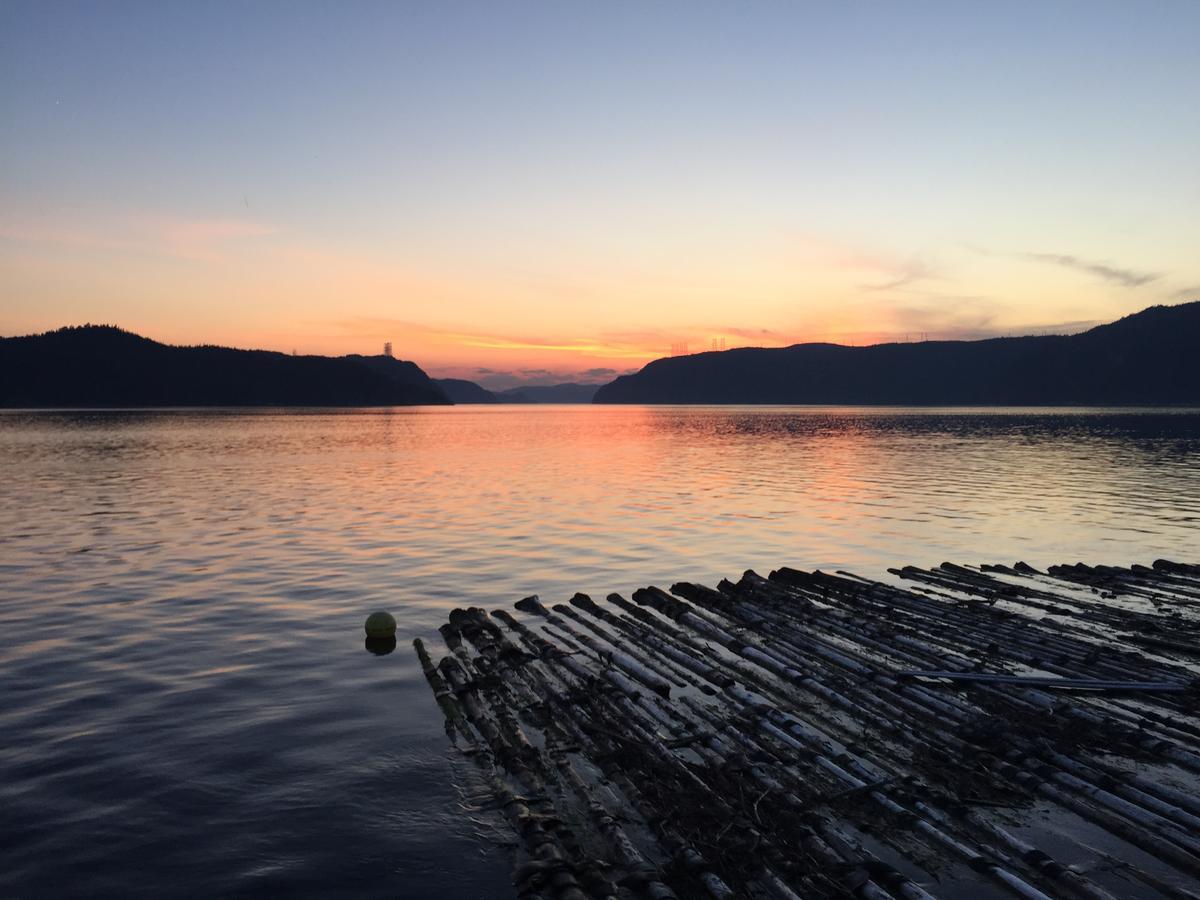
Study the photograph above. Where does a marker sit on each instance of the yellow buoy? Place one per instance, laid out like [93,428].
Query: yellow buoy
[381,625]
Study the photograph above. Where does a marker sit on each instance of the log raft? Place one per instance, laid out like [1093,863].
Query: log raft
[982,731]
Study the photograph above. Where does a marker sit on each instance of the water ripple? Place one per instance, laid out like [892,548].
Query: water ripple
[187,705]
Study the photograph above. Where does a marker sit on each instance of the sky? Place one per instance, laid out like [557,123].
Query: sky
[538,192]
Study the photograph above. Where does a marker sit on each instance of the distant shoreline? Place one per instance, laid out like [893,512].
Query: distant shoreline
[1143,360]
[315,407]
[1146,359]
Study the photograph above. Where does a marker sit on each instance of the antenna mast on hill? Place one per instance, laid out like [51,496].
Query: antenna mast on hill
[387,348]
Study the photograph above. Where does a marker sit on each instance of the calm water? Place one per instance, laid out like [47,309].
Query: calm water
[185,702]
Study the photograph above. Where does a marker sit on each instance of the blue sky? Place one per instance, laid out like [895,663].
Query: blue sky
[565,186]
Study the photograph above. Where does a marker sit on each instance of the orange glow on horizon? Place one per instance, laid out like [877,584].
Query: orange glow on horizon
[251,284]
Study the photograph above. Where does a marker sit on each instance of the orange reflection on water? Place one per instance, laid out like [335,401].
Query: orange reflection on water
[479,503]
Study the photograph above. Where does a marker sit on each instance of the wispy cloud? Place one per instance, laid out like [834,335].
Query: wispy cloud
[954,319]
[36,234]
[635,346]
[1130,278]
[496,380]
[1187,293]
[752,333]
[907,274]
[585,346]
[1073,326]
[897,272]
[202,240]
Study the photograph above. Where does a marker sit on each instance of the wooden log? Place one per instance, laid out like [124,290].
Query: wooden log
[807,695]
[1082,684]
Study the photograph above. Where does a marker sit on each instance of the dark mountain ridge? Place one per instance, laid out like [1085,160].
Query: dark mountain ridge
[460,390]
[571,392]
[1148,358]
[100,365]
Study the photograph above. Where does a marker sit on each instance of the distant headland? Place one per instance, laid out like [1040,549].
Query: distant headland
[99,365]
[1149,358]
[105,366]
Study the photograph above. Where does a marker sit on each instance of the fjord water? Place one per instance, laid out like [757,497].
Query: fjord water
[186,703]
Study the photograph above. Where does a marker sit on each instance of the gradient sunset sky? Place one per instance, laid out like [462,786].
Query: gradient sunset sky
[515,191]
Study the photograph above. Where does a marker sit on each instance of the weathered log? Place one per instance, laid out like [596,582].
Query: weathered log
[1081,684]
[751,731]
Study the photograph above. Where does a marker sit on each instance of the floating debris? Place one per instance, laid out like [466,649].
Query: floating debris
[994,731]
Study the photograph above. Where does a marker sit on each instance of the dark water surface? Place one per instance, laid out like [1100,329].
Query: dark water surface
[186,707]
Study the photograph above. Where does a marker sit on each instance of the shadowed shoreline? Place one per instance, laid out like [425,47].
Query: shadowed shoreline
[1146,358]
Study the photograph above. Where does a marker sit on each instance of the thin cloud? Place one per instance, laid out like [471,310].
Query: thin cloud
[898,272]
[1188,293]
[1072,327]
[503,381]
[1130,278]
[585,346]
[951,318]
[907,274]
[191,239]
[33,234]
[751,332]
[616,346]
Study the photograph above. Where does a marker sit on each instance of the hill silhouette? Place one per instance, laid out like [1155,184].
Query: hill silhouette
[462,391]
[571,392]
[459,390]
[100,365]
[1148,358]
